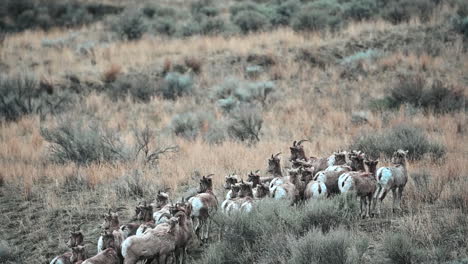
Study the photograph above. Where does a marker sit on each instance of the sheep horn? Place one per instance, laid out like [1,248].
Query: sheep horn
[277,154]
[300,141]
[294,143]
[257,171]
[209,175]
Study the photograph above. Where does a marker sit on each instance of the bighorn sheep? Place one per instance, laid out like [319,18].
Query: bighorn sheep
[234,194]
[159,242]
[392,178]
[230,180]
[288,190]
[161,208]
[204,204]
[274,169]
[363,184]
[108,256]
[297,152]
[112,239]
[77,255]
[182,211]
[144,212]
[111,223]
[330,178]
[315,190]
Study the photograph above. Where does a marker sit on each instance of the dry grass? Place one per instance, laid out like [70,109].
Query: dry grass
[313,103]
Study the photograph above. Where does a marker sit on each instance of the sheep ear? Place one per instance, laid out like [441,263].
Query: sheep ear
[406,152]
[257,171]
[294,143]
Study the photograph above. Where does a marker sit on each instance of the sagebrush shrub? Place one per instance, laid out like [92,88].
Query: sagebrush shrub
[404,137]
[246,123]
[139,87]
[83,143]
[250,21]
[318,15]
[399,248]
[176,85]
[317,247]
[130,25]
[360,9]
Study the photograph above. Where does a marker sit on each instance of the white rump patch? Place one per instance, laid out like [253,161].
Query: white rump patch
[125,245]
[318,189]
[229,195]
[280,193]
[345,182]
[99,244]
[197,204]
[247,207]
[384,175]
[331,161]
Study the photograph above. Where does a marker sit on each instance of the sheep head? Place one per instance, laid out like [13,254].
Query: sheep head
[262,190]
[235,190]
[372,165]
[161,199]
[144,212]
[206,183]
[108,240]
[357,160]
[307,174]
[254,177]
[230,180]
[297,150]
[78,254]
[274,164]
[110,220]
[340,157]
[399,157]
[245,189]
[76,238]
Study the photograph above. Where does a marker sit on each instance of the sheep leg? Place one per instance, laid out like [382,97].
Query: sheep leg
[361,200]
[400,194]
[381,197]
[369,212]
[162,259]
[395,198]
[208,229]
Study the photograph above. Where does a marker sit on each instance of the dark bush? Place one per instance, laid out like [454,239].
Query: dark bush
[284,12]
[415,91]
[402,10]
[176,85]
[360,9]
[75,141]
[164,26]
[404,137]
[318,15]
[24,95]
[138,87]
[250,21]
[460,25]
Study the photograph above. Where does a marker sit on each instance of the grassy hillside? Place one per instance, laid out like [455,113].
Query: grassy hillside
[218,87]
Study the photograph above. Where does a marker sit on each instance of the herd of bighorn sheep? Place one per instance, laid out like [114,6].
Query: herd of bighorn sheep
[164,229]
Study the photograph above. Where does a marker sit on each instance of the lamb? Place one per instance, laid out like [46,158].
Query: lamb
[392,178]
[245,199]
[108,256]
[204,204]
[77,255]
[161,208]
[361,183]
[159,242]
[230,180]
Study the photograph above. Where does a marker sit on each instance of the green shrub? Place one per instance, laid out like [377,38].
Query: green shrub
[139,87]
[176,85]
[415,91]
[83,143]
[399,248]
[317,247]
[318,15]
[284,12]
[404,137]
[133,185]
[130,25]
[165,26]
[425,186]
[250,21]
[402,10]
